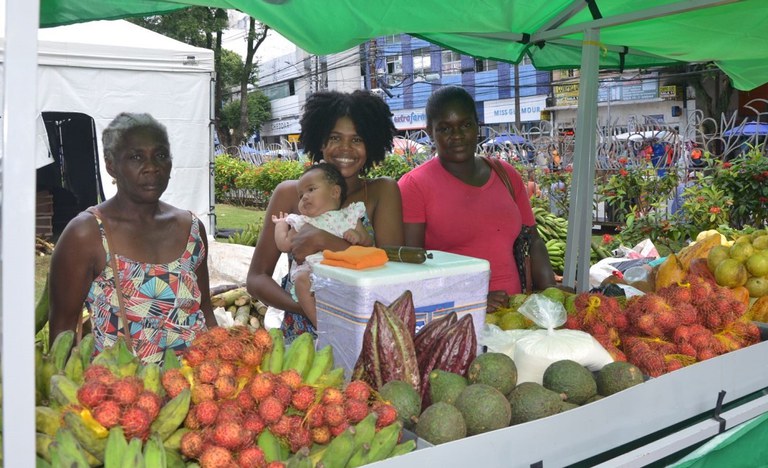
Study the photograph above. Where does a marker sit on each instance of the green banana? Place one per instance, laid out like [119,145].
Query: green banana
[41,308]
[42,462]
[63,390]
[278,351]
[43,445]
[322,363]
[87,346]
[47,420]
[116,447]
[271,446]
[366,429]
[127,362]
[402,448]
[44,374]
[87,437]
[60,349]
[154,452]
[300,459]
[172,415]
[70,449]
[170,360]
[107,359]
[173,441]
[334,378]
[300,354]
[384,442]
[73,369]
[359,457]
[340,450]
[150,374]
[173,459]
[133,457]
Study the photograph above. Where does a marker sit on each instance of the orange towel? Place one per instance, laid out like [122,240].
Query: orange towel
[355,257]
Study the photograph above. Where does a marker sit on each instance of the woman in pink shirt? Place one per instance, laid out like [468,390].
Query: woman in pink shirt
[456,203]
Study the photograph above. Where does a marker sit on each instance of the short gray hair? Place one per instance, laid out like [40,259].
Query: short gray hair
[120,125]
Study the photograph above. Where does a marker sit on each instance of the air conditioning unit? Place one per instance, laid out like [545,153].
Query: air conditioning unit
[381,93]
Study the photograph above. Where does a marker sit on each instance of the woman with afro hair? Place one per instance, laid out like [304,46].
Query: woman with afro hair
[351,131]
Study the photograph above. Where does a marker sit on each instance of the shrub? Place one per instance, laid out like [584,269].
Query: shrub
[393,166]
[226,170]
[745,179]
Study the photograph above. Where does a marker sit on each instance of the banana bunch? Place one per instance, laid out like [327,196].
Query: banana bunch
[121,453]
[360,445]
[556,251]
[552,228]
[315,367]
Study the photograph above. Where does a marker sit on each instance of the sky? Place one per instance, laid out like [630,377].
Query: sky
[275,45]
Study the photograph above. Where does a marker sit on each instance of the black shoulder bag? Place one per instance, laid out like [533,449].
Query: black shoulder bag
[529,249]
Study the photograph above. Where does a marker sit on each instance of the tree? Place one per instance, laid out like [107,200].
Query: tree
[714,90]
[203,27]
[258,111]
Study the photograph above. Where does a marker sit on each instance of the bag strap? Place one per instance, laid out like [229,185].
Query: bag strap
[501,172]
[116,276]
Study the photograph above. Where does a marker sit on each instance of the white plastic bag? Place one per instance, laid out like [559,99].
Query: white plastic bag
[535,350]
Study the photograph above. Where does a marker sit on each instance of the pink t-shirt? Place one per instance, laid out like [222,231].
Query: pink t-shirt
[481,222]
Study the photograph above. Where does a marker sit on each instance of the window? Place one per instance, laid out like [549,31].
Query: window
[482,65]
[422,61]
[393,39]
[526,60]
[394,69]
[451,63]
[279,90]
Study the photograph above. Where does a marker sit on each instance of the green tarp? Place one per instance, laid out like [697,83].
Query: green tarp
[633,34]
[741,447]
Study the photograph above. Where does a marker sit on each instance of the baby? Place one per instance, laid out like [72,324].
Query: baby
[322,190]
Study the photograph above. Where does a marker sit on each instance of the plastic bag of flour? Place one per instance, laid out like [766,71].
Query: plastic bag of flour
[535,350]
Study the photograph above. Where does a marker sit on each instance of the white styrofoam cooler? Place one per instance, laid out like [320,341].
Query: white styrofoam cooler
[445,283]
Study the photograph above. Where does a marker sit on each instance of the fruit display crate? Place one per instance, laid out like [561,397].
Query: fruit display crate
[612,422]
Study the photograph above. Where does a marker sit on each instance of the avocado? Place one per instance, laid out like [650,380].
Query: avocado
[594,399]
[530,401]
[405,399]
[441,423]
[495,369]
[617,376]
[484,408]
[565,406]
[445,386]
[570,379]
[556,294]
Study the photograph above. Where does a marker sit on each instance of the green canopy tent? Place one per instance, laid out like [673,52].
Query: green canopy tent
[584,34]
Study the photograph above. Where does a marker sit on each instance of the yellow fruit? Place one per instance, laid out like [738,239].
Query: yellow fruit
[492,319]
[757,286]
[731,273]
[740,251]
[760,242]
[716,255]
[757,264]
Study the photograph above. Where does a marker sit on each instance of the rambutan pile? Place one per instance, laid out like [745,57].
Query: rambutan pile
[234,401]
[599,315]
[116,401]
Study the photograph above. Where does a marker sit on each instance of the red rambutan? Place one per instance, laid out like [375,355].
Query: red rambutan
[251,355]
[225,387]
[251,457]
[125,391]
[337,430]
[282,427]
[254,423]
[231,350]
[191,422]
[149,402]
[270,409]
[194,356]
[207,372]
[291,378]
[217,335]
[303,398]
[107,413]
[335,414]
[229,410]
[207,412]
[99,373]
[135,422]
[316,416]
[92,393]
[299,438]
[228,434]
[262,340]
[214,456]
[191,445]
[321,435]
[227,369]
[245,401]
[283,393]
[261,386]
[355,410]
[387,414]
[332,395]
[203,392]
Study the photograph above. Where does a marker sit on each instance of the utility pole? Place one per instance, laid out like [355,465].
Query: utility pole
[372,64]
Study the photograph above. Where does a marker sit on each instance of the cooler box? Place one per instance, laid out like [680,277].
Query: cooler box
[443,284]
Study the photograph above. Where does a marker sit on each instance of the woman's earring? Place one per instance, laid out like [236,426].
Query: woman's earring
[114,181]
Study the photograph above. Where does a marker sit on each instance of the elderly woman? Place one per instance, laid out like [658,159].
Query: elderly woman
[137,263]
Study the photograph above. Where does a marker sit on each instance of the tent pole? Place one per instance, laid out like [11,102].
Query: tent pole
[17,242]
[577,255]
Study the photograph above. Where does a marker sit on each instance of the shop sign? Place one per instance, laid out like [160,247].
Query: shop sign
[409,119]
[281,127]
[668,92]
[566,94]
[503,110]
[293,138]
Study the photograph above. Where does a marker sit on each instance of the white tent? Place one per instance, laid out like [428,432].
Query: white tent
[103,68]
